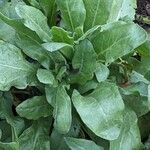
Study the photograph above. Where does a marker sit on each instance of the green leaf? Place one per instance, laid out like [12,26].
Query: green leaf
[144,49]
[81,144]
[99,12]
[136,77]
[49,8]
[14,69]
[87,52]
[61,73]
[36,137]
[129,138]
[101,72]
[140,104]
[88,86]
[6,131]
[62,111]
[138,87]
[34,50]
[57,141]
[10,146]
[35,20]
[54,46]
[128,9]
[34,108]
[6,28]
[45,76]
[147,144]
[116,40]
[19,27]
[143,67]
[104,102]
[28,41]
[17,124]
[50,94]
[34,3]
[88,33]
[73,13]
[60,35]
[84,62]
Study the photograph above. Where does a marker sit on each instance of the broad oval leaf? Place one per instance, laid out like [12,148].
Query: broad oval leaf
[35,20]
[102,110]
[14,69]
[129,138]
[73,13]
[117,39]
[34,108]
[81,144]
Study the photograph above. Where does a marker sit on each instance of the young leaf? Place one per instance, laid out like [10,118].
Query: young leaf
[50,94]
[81,144]
[14,69]
[105,103]
[54,46]
[73,13]
[34,108]
[117,40]
[35,20]
[84,61]
[45,76]
[101,72]
[60,35]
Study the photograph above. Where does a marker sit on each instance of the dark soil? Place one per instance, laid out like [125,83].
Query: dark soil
[143,10]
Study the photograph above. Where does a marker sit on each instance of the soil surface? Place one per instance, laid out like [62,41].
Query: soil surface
[143,10]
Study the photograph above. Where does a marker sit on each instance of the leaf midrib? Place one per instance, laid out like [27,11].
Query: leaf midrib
[72,26]
[95,15]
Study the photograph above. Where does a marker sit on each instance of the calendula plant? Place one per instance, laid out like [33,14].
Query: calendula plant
[74,74]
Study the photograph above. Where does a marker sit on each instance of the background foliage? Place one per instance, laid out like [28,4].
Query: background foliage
[74,74]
